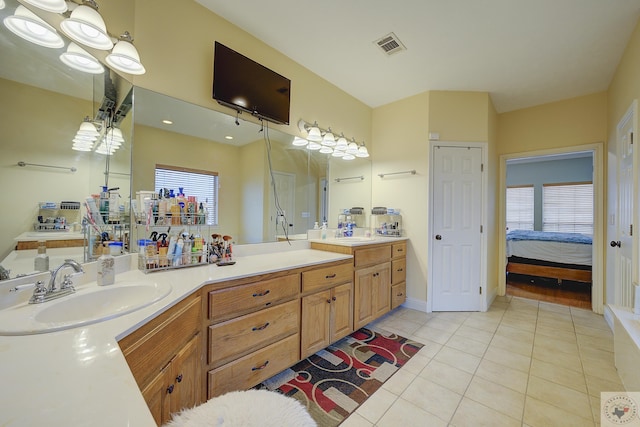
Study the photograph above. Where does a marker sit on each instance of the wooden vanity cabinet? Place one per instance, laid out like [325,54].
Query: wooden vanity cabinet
[398,274]
[327,307]
[164,356]
[379,277]
[253,330]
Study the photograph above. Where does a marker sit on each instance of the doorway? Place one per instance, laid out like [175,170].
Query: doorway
[596,254]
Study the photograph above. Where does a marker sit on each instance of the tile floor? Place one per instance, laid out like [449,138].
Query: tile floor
[522,363]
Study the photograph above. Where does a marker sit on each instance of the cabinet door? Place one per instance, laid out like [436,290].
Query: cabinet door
[341,311]
[382,285]
[364,292]
[186,376]
[157,394]
[316,309]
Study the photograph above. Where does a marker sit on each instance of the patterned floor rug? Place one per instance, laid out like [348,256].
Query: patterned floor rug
[333,382]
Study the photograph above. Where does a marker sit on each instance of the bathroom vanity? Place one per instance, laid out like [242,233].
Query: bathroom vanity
[219,329]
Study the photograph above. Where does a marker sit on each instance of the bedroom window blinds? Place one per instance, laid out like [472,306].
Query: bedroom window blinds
[199,183]
[568,208]
[520,208]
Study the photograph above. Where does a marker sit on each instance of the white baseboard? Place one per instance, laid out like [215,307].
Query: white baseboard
[415,304]
[608,317]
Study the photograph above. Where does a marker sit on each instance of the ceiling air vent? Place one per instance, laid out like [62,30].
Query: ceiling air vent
[390,44]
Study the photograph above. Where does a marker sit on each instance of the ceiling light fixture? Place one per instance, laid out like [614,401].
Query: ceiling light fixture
[86,26]
[55,6]
[124,56]
[326,142]
[81,60]
[2,4]
[29,26]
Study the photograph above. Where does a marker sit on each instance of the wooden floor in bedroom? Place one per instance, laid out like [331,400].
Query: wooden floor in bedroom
[573,294]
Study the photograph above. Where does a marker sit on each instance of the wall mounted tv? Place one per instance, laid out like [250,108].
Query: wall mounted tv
[244,85]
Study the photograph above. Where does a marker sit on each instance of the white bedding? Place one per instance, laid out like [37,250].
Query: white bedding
[562,252]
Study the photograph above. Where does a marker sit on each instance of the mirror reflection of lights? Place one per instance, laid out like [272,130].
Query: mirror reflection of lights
[241,102]
[83,349]
[167,121]
[229,137]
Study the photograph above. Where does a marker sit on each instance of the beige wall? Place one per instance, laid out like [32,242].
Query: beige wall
[185,32]
[459,116]
[400,136]
[566,123]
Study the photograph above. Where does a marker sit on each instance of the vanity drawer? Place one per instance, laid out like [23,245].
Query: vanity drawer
[239,336]
[248,371]
[232,302]
[326,277]
[399,250]
[370,256]
[398,294]
[398,270]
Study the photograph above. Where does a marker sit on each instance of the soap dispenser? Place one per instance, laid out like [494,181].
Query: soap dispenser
[106,270]
[41,262]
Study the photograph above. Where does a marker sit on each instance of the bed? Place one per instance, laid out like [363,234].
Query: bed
[561,256]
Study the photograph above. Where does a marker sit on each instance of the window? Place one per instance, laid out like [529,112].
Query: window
[568,208]
[199,183]
[520,208]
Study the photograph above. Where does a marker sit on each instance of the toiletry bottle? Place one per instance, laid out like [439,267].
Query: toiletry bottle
[323,232]
[41,262]
[106,270]
[104,204]
[316,226]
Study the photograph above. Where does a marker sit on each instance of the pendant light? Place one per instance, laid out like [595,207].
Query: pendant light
[55,6]
[79,59]
[2,4]
[328,139]
[29,26]
[124,56]
[86,26]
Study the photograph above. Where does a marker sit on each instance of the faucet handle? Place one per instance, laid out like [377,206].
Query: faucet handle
[38,293]
[66,282]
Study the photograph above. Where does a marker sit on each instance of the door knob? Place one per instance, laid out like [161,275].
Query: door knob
[438,237]
[614,243]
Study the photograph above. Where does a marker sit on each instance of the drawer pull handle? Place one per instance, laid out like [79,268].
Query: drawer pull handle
[328,301]
[400,294]
[170,389]
[400,269]
[330,276]
[333,298]
[260,328]
[261,294]
[179,378]
[258,368]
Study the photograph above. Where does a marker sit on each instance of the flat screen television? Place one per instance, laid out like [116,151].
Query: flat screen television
[244,85]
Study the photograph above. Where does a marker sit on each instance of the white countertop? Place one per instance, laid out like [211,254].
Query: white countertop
[30,236]
[79,376]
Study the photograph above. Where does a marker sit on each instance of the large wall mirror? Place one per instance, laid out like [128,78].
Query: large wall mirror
[247,156]
[44,103]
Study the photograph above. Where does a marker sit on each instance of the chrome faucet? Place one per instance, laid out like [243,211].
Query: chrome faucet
[43,294]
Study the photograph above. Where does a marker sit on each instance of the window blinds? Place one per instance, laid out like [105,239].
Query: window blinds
[568,208]
[520,208]
[202,184]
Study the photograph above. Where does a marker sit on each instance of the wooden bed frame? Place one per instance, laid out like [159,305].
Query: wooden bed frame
[553,271]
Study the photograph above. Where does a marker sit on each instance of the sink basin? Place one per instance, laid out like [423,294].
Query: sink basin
[86,306]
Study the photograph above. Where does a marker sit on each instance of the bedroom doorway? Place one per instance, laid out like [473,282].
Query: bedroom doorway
[569,280]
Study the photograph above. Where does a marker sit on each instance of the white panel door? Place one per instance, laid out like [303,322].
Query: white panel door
[456,207]
[624,245]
